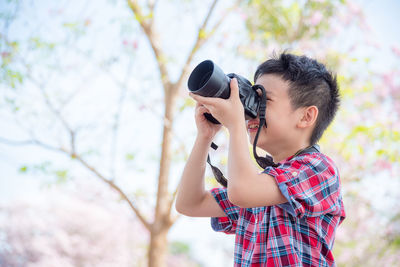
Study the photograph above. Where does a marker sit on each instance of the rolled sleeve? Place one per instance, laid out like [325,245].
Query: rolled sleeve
[310,183]
[226,224]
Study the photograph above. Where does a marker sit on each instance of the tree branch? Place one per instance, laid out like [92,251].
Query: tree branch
[151,4]
[73,153]
[146,22]
[117,120]
[56,112]
[202,37]
[84,163]
[171,203]
[29,142]
[116,188]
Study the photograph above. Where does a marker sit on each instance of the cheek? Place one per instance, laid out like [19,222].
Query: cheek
[279,121]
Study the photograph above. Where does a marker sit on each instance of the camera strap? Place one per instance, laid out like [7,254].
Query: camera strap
[219,176]
[266,161]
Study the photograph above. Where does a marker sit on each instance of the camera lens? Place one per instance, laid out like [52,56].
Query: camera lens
[207,79]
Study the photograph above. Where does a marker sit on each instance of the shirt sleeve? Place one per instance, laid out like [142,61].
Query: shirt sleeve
[311,185]
[226,224]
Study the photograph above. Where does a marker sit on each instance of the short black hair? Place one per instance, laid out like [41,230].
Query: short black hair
[310,83]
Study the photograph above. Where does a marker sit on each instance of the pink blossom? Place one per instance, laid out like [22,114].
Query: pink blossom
[383,164]
[316,18]
[135,44]
[396,50]
[5,54]
[354,8]
[373,43]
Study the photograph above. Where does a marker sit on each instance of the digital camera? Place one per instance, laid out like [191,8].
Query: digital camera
[208,80]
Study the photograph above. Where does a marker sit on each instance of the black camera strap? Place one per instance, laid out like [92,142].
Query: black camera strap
[219,176]
[266,161]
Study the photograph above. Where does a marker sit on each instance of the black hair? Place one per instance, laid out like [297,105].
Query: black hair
[310,83]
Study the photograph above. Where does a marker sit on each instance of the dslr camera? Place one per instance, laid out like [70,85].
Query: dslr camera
[208,80]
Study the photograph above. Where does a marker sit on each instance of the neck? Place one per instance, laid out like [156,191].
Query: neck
[283,153]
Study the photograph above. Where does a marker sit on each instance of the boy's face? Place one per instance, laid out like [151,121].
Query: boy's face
[281,119]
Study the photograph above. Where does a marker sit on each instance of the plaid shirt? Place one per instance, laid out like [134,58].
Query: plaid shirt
[299,232]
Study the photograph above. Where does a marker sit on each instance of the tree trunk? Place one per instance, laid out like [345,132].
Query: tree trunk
[162,223]
[158,246]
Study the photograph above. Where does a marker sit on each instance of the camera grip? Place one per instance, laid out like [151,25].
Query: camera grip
[211,118]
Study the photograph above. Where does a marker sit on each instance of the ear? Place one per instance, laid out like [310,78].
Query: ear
[308,117]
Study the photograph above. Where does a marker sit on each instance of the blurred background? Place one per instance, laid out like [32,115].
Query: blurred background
[96,123]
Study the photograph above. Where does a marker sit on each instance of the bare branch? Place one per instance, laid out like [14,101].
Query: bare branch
[140,17]
[171,203]
[116,188]
[151,5]
[72,153]
[92,169]
[146,22]
[174,219]
[28,142]
[117,120]
[202,37]
[56,112]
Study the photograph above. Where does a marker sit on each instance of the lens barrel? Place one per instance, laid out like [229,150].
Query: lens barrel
[208,80]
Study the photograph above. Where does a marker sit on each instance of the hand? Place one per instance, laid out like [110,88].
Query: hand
[206,129]
[229,112]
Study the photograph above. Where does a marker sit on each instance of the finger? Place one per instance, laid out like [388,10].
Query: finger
[203,109]
[208,108]
[200,106]
[204,100]
[234,88]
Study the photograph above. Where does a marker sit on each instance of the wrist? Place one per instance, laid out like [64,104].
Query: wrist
[238,125]
[204,139]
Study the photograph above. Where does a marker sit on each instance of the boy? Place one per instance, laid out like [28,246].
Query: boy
[286,215]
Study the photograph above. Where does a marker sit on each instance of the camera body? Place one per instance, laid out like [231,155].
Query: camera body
[208,80]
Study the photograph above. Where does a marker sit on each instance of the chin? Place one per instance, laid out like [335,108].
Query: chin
[261,143]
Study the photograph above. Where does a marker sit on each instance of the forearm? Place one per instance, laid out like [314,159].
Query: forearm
[240,164]
[191,189]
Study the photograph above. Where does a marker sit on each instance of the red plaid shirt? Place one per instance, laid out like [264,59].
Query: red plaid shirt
[300,232]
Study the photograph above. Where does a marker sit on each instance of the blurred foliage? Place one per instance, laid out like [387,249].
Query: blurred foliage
[178,247]
[286,22]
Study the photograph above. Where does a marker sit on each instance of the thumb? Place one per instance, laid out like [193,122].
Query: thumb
[234,88]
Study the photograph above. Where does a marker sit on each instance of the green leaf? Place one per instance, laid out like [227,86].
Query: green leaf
[23,169]
[129,156]
[178,247]
[62,176]
[189,102]
[71,25]
[202,34]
